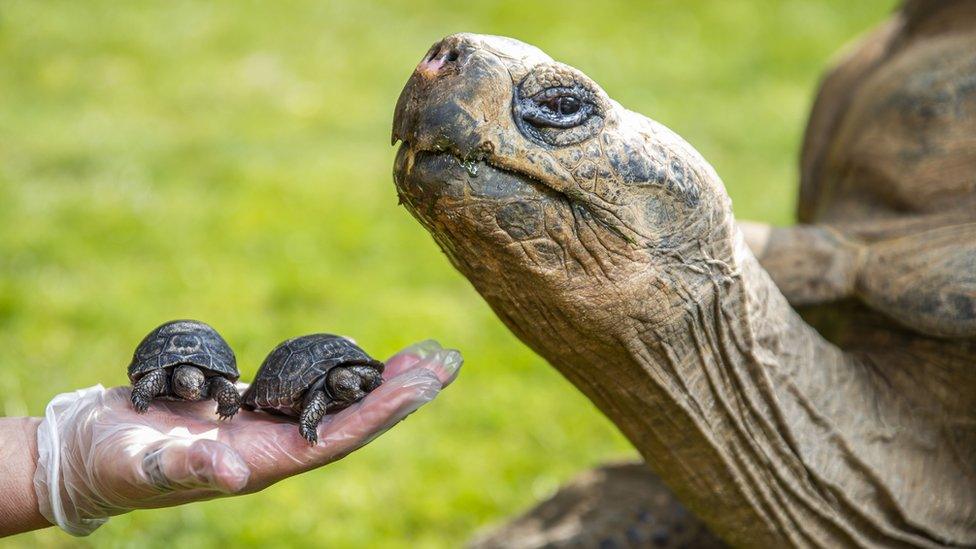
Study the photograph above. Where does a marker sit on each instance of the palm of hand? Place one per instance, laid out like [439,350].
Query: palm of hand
[179,451]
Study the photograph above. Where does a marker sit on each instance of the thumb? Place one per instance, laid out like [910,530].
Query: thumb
[199,464]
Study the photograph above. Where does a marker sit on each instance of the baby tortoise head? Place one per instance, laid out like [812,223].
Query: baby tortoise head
[189,383]
[349,384]
[518,163]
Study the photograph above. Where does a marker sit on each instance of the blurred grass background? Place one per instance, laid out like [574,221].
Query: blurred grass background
[230,161]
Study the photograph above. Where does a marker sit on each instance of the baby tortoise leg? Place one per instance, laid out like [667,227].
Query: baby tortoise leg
[228,399]
[370,377]
[350,384]
[147,388]
[315,407]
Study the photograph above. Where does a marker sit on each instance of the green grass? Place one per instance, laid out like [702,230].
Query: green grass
[230,161]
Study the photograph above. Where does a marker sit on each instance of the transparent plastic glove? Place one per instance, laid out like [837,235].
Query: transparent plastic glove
[97,457]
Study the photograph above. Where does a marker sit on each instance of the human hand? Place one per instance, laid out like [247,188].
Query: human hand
[98,457]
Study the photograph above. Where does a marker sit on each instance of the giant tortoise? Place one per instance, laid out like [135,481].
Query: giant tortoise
[607,244]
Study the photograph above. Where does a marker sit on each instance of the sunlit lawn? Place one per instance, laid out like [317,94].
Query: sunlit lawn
[230,161]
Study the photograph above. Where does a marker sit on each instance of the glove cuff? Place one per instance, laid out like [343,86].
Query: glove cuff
[49,484]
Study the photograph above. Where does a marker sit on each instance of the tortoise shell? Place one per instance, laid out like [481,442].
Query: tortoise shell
[891,133]
[299,364]
[184,342]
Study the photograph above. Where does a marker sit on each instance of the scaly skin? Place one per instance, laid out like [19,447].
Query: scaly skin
[147,388]
[315,407]
[618,505]
[608,245]
[225,393]
[887,192]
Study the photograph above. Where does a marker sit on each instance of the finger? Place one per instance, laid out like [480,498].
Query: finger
[407,357]
[183,465]
[445,365]
[278,453]
[428,354]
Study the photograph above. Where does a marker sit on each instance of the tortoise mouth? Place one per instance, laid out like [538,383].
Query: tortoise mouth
[439,184]
[425,178]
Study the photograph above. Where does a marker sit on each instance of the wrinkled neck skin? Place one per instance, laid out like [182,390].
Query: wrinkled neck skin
[769,433]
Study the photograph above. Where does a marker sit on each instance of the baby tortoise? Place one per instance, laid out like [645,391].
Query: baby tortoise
[309,376]
[185,360]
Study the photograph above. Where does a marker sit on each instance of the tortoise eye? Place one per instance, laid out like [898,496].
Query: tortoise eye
[558,107]
[557,115]
[567,105]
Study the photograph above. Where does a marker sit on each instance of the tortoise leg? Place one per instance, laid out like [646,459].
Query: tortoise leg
[315,407]
[813,264]
[228,399]
[147,388]
[615,505]
[810,264]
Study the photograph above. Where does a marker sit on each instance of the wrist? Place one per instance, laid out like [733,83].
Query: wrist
[19,511]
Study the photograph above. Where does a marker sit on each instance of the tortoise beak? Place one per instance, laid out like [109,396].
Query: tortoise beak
[435,109]
[459,97]
[440,61]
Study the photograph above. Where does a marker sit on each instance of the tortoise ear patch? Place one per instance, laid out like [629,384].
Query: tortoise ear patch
[629,159]
[648,164]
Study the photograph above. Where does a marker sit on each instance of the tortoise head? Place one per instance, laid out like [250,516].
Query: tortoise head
[533,181]
[348,384]
[189,382]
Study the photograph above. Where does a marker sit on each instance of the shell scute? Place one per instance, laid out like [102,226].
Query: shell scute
[183,342]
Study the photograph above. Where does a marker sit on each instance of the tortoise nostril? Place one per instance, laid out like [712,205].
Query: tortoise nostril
[438,59]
